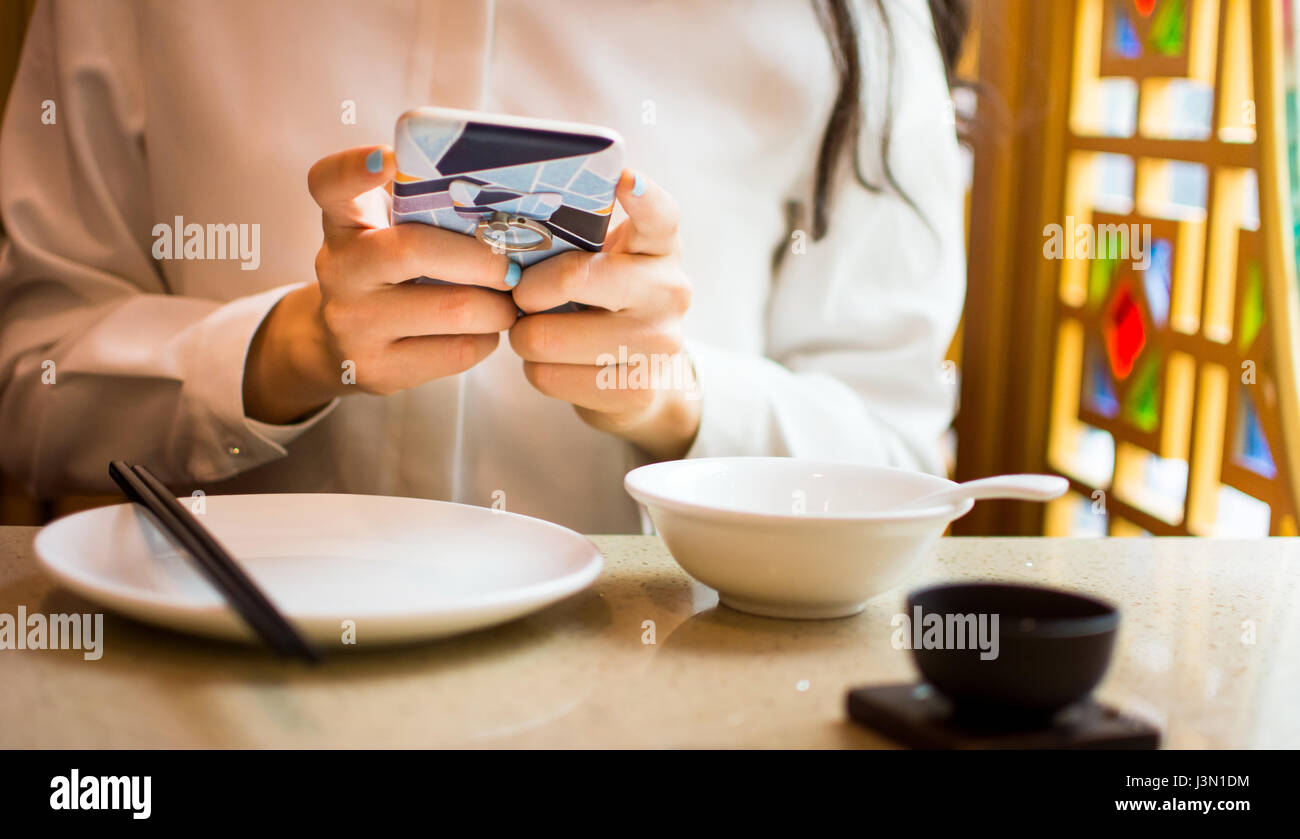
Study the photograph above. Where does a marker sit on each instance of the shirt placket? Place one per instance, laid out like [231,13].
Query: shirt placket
[451,56]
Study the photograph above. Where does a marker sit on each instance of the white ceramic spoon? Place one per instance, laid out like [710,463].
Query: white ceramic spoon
[1016,487]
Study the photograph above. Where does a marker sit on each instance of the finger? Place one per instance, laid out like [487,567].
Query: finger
[411,310]
[611,281]
[414,361]
[584,386]
[652,217]
[396,254]
[589,337]
[342,183]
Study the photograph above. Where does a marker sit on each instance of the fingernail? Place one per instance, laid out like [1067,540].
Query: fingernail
[375,161]
[513,273]
[638,185]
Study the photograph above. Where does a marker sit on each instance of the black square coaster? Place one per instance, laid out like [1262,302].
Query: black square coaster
[919,717]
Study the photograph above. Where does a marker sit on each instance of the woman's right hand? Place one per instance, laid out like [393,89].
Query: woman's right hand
[361,310]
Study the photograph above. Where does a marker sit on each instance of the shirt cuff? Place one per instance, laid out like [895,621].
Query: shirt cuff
[735,413]
[283,435]
[237,443]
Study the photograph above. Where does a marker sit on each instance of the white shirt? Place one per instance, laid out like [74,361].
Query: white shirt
[214,112]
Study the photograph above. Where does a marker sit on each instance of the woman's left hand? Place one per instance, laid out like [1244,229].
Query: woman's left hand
[622,363]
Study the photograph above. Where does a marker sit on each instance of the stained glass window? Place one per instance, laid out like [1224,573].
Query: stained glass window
[1142,405]
[1168,27]
[1164,351]
[1100,392]
[1251,450]
[1125,35]
[1125,333]
[1252,308]
[1145,38]
[1157,280]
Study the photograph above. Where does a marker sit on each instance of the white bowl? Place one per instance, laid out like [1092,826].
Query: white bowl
[791,538]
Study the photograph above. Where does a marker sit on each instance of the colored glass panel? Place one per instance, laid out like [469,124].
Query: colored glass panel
[1142,405]
[1101,272]
[1103,269]
[1099,394]
[1169,28]
[1144,7]
[1125,35]
[1252,308]
[1124,332]
[1252,449]
[1157,280]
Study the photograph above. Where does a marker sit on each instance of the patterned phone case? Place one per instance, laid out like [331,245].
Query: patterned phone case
[457,168]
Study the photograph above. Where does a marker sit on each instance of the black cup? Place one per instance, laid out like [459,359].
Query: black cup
[1053,648]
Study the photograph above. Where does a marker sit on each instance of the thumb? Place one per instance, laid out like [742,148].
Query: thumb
[652,216]
[341,184]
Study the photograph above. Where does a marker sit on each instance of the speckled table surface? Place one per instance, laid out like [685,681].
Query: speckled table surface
[646,658]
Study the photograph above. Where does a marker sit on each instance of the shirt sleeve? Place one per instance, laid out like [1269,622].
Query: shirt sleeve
[858,323]
[98,360]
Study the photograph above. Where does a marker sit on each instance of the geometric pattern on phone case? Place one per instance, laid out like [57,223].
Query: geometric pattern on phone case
[451,173]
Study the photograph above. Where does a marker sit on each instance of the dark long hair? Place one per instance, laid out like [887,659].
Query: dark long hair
[951,18]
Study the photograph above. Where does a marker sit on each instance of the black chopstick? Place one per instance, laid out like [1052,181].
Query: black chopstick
[214,561]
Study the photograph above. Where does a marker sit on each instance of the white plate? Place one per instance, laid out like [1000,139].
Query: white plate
[402,569]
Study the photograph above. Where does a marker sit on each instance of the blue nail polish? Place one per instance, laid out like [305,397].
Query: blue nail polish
[638,185]
[512,274]
[375,161]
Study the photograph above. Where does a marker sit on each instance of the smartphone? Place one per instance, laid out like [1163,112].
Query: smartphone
[530,188]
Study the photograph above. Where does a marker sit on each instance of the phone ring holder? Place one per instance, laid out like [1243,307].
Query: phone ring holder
[512,233]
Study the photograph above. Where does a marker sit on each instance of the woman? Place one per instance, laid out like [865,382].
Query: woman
[230,375]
